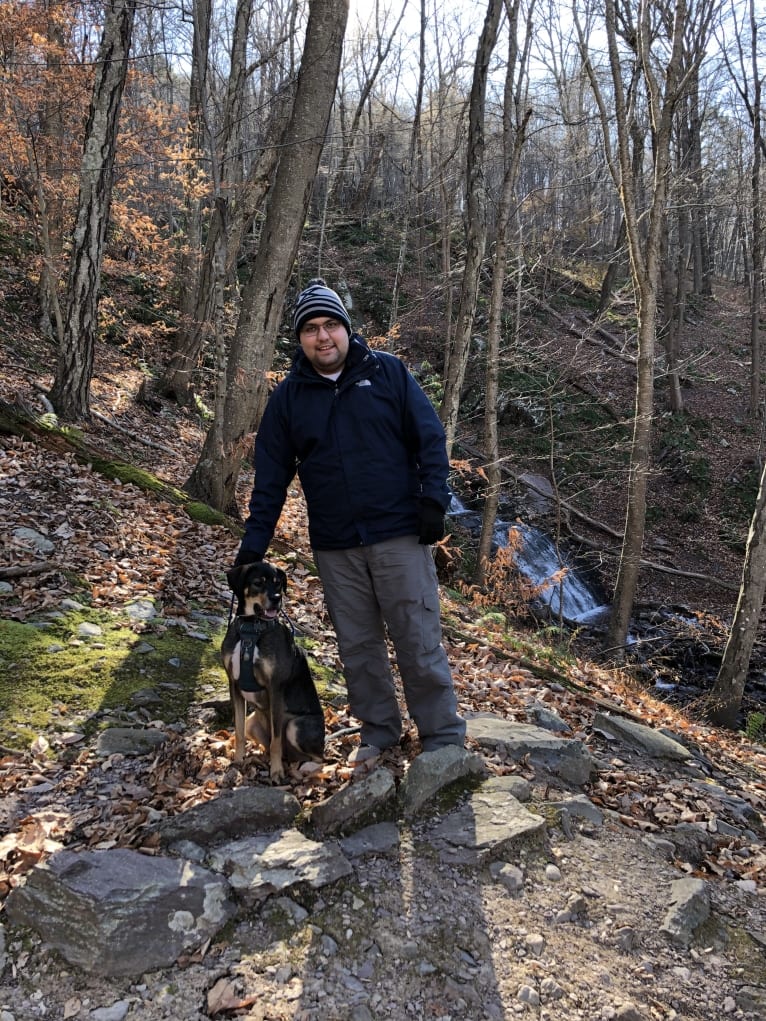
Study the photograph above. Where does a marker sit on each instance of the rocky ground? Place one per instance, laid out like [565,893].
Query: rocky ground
[567,927]
[435,919]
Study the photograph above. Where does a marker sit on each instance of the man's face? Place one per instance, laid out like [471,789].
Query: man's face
[325,343]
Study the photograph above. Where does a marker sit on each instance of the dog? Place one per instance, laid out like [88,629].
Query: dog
[269,674]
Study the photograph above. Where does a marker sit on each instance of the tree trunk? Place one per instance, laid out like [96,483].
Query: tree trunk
[70,394]
[393,314]
[663,86]
[515,121]
[475,227]
[756,278]
[725,696]
[176,380]
[214,477]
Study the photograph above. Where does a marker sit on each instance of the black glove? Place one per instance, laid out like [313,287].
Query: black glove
[247,556]
[430,522]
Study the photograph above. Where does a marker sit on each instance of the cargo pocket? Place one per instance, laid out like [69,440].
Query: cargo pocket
[430,627]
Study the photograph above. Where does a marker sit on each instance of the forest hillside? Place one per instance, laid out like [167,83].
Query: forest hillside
[114,598]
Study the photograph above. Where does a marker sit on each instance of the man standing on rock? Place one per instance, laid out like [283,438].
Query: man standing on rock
[370,452]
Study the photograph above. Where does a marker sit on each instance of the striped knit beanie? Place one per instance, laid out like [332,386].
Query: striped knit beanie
[318,300]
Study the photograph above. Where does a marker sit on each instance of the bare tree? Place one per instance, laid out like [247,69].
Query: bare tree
[516,115]
[215,475]
[661,72]
[475,221]
[383,41]
[743,77]
[410,169]
[725,698]
[70,393]
[234,202]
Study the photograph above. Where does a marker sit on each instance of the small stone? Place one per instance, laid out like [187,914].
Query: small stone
[550,989]
[534,943]
[116,1012]
[553,873]
[628,1012]
[510,876]
[747,885]
[577,905]
[729,1005]
[89,630]
[626,938]
[528,995]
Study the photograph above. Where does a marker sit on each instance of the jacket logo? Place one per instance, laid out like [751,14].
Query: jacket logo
[363,382]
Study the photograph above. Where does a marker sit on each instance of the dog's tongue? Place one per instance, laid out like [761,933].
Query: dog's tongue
[270,613]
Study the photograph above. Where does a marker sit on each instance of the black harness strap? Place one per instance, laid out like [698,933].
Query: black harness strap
[250,631]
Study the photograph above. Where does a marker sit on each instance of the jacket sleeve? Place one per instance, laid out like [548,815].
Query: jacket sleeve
[427,440]
[275,465]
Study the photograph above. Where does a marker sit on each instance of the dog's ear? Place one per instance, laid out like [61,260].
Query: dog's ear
[234,578]
[282,578]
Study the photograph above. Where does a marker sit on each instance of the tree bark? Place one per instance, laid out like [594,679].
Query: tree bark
[70,393]
[664,88]
[725,697]
[475,227]
[515,121]
[215,475]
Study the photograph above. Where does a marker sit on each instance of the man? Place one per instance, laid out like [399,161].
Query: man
[370,452]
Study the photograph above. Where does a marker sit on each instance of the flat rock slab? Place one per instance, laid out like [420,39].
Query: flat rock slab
[119,912]
[232,814]
[380,838]
[564,757]
[642,738]
[270,863]
[490,822]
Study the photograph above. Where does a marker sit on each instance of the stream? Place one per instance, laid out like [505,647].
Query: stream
[674,650]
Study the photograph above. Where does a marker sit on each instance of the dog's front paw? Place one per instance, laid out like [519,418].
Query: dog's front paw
[277,774]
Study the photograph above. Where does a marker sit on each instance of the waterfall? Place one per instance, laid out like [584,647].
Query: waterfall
[573,598]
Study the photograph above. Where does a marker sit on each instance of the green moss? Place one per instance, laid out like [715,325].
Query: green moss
[206,515]
[51,677]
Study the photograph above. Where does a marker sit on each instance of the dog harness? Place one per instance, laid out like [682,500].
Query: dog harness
[250,631]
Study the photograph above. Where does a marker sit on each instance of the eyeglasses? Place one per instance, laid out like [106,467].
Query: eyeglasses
[311,330]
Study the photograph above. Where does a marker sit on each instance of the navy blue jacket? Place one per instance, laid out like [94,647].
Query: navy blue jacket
[366,448]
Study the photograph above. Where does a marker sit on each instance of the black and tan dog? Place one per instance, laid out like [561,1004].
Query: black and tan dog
[269,673]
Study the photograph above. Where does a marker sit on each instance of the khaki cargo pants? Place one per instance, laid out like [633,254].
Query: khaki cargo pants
[391,585]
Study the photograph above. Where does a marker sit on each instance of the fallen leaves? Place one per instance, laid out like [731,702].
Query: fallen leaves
[225,996]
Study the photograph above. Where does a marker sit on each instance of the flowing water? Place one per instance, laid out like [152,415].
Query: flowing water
[563,588]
